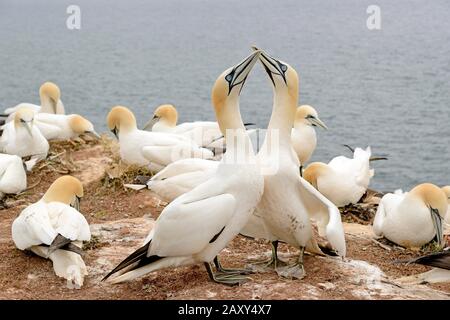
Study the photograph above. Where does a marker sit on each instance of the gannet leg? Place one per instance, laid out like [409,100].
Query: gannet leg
[224,278]
[273,262]
[294,271]
[229,270]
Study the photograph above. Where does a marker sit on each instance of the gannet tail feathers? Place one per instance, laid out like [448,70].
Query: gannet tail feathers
[437,260]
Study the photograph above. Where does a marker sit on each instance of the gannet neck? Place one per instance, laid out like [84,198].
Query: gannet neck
[314,171]
[167,115]
[64,190]
[432,196]
[283,113]
[50,95]
[121,119]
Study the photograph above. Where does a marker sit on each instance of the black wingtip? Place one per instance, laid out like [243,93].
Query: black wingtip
[349,148]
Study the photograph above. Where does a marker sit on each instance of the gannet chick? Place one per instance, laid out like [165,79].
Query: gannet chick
[196,226]
[181,176]
[22,137]
[412,219]
[54,229]
[289,202]
[304,139]
[153,149]
[50,101]
[165,119]
[446,189]
[342,180]
[64,127]
[13,178]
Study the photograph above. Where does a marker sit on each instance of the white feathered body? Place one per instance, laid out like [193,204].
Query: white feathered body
[304,141]
[202,133]
[13,178]
[55,126]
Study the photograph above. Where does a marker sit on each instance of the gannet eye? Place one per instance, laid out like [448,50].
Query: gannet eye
[283,67]
[229,77]
[21,120]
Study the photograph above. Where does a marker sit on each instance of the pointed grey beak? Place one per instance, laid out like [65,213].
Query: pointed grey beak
[272,66]
[149,125]
[317,122]
[27,126]
[93,134]
[76,203]
[239,73]
[437,222]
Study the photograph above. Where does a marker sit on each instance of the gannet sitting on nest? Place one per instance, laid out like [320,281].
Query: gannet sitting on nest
[304,139]
[22,137]
[343,180]
[153,149]
[196,226]
[50,101]
[53,229]
[13,178]
[414,218]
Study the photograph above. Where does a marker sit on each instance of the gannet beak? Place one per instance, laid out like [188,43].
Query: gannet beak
[437,222]
[76,203]
[272,66]
[316,122]
[239,73]
[27,126]
[149,125]
[93,134]
[115,132]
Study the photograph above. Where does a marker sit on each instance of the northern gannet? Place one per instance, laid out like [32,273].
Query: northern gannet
[414,218]
[13,178]
[289,201]
[64,127]
[22,137]
[342,180]
[50,101]
[196,226]
[153,149]
[181,176]
[54,229]
[304,139]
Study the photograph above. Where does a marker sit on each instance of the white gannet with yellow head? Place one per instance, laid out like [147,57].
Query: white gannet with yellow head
[153,149]
[414,218]
[53,228]
[196,226]
[50,101]
[343,180]
[446,189]
[165,119]
[22,137]
[304,139]
[13,178]
[282,215]
[64,127]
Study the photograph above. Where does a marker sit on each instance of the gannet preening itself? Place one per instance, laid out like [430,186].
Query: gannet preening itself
[22,137]
[64,127]
[342,180]
[414,218]
[50,101]
[440,262]
[153,149]
[181,176]
[304,139]
[13,178]
[446,189]
[196,226]
[54,229]
[289,201]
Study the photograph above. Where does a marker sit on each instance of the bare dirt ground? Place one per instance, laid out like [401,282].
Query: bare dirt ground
[121,218]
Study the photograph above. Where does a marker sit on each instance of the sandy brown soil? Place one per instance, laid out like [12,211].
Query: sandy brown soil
[121,218]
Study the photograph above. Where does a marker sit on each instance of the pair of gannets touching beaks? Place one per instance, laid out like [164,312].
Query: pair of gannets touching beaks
[54,229]
[238,198]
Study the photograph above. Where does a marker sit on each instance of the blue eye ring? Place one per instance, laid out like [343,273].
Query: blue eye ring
[283,67]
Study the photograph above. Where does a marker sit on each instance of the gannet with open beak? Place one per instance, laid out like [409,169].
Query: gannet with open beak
[153,149]
[196,226]
[50,101]
[414,218]
[342,180]
[22,137]
[304,139]
[13,178]
[54,229]
[289,201]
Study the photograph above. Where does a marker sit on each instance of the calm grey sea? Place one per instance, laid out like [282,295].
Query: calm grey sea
[389,89]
